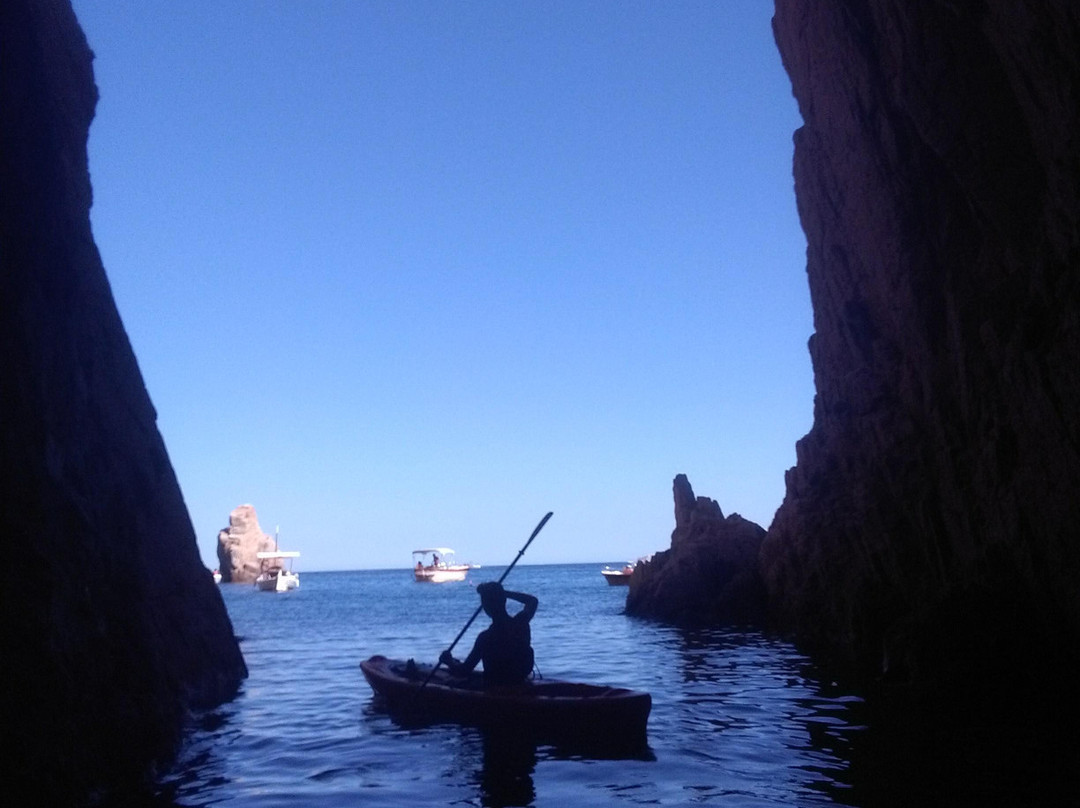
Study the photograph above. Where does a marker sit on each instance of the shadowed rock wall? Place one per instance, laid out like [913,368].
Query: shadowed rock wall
[113,627]
[930,526]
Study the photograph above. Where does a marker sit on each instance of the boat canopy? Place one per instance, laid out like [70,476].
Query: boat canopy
[439,550]
[290,554]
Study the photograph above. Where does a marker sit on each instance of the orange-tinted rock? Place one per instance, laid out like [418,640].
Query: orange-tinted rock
[238,544]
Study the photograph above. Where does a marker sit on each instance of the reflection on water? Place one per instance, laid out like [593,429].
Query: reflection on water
[775,725]
[505,778]
[738,718]
[500,761]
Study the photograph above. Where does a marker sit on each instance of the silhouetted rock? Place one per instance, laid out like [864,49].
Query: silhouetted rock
[113,628]
[929,526]
[238,544]
[710,575]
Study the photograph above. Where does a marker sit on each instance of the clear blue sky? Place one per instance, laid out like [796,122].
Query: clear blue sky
[403,274]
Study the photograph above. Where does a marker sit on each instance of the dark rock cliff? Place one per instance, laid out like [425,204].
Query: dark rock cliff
[929,529]
[709,575]
[113,627]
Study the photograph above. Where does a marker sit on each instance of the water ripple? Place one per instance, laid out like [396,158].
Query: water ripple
[738,719]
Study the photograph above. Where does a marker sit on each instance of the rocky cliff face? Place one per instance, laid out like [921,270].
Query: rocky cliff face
[709,575]
[113,627]
[930,525]
[238,544]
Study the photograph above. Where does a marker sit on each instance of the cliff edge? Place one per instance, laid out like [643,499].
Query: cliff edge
[929,528]
[113,627]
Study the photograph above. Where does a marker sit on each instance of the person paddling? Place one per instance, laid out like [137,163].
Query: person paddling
[505,646]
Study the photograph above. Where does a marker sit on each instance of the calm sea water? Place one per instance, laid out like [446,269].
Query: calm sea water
[738,719]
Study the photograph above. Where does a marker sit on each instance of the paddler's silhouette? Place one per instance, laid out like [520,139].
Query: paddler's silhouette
[504,647]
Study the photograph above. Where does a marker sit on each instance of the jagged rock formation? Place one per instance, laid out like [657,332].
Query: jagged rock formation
[238,544]
[709,575]
[113,628]
[930,525]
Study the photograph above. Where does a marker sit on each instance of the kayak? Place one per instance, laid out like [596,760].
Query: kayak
[544,708]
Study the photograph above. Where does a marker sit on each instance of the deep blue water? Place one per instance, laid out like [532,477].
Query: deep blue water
[738,719]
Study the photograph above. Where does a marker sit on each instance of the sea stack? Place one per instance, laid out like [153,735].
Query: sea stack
[238,545]
[114,630]
[710,575]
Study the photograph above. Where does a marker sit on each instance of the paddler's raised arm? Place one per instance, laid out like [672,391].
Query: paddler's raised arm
[529,602]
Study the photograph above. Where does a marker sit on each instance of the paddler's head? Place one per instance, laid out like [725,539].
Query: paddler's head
[492,598]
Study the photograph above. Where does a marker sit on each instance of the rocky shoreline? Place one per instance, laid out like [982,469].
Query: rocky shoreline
[710,575]
[927,535]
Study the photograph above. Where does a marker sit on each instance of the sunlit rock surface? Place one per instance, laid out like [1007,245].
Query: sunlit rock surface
[113,628]
[238,544]
[929,530]
[709,575]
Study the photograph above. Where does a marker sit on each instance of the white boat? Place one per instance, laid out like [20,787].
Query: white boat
[621,576]
[217,576]
[274,577]
[436,565]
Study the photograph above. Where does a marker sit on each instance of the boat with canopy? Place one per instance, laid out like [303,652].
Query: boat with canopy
[436,565]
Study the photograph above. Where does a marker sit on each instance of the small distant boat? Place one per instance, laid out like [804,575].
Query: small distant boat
[436,565]
[273,575]
[217,576]
[544,707]
[619,577]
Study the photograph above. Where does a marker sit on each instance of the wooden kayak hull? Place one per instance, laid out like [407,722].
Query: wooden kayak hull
[544,708]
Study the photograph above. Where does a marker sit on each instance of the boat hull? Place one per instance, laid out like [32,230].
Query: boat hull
[441,575]
[277,583]
[616,577]
[546,709]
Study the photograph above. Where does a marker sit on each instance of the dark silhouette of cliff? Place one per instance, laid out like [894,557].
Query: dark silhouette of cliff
[710,575]
[928,536]
[929,529]
[113,628]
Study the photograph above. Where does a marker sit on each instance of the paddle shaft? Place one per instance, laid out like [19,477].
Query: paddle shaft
[502,578]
